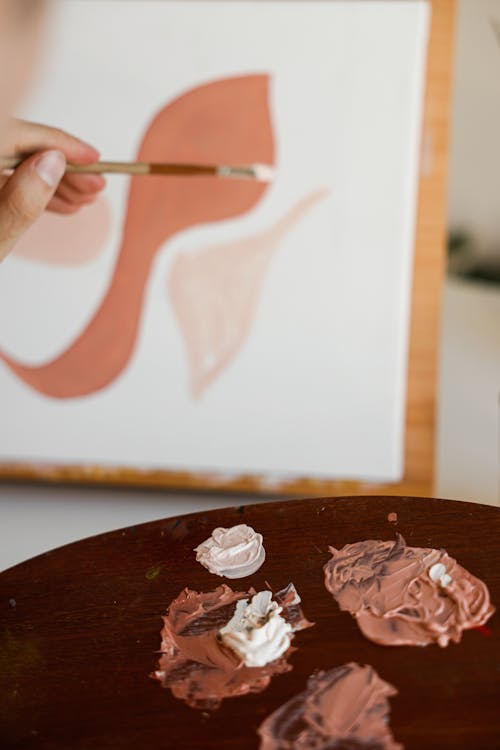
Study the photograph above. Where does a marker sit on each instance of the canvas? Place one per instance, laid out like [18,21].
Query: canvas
[208,325]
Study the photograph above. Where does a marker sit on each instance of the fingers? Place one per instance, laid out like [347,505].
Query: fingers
[74,198]
[85,183]
[26,194]
[27,137]
[60,206]
[39,182]
[78,192]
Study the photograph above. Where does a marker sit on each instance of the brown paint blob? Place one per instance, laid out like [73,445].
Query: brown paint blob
[195,664]
[392,592]
[346,708]
[223,122]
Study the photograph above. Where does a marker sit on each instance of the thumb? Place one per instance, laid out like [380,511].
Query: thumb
[26,195]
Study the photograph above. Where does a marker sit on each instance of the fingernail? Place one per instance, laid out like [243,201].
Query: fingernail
[51,167]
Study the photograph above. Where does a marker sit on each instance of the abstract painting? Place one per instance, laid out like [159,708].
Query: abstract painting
[205,324]
[227,120]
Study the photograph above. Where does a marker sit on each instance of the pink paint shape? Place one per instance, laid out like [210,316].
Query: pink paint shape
[74,240]
[223,122]
[215,292]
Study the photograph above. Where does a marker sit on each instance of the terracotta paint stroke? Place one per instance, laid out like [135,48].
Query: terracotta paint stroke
[75,240]
[194,663]
[346,708]
[223,122]
[215,292]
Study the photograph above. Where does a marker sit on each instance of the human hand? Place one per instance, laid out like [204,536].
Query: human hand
[40,182]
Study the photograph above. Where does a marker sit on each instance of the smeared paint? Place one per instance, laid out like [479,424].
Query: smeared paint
[483,630]
[346,707]
[194,662]
[257,632]
[396,598]
[153,572]
[392,517]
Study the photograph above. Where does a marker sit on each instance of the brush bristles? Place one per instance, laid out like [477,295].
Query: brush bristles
[258,172]
[264,172]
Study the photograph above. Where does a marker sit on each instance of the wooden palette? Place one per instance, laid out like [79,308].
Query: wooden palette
[79,628]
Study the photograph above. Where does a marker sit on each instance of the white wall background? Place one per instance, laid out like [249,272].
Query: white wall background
[468,460]
[474,200]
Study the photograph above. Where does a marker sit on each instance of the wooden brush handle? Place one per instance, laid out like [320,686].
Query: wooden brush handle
[100,167]
[7,164]
[110,167]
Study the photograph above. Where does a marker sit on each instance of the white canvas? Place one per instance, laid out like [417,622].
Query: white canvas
[317,386]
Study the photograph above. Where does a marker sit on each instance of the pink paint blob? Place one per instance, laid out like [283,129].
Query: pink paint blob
[194,663]
[402,595]
[346,707]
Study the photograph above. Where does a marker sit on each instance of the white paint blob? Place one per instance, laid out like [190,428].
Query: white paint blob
[257,632]
[233,553]
[438,574]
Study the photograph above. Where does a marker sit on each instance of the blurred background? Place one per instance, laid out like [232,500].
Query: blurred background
[469,416]
[468,445]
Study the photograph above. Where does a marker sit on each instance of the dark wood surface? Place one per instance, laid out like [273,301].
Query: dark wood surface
[79,628]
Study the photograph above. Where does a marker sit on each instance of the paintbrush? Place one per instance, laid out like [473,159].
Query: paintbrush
[257,172]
